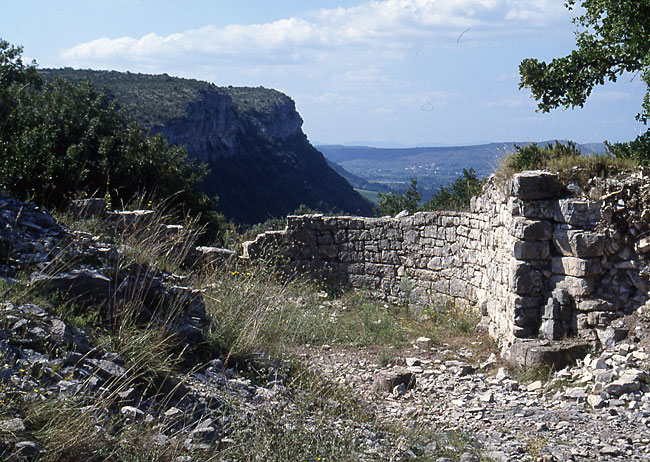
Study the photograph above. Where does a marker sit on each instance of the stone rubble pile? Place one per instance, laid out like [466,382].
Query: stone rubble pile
[598,409]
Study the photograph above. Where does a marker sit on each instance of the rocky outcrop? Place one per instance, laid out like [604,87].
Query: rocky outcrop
[210,128]
[261,165]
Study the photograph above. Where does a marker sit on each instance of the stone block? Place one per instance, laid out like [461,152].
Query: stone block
[531,250]
[539,230]
[573,266]
[527,317]
[594,304]
[577,212]
[523,279]
[535,209]
[526,353]
[562,296]
[551,329]
[536,185]
[576,287]
[578,243]
[551,310]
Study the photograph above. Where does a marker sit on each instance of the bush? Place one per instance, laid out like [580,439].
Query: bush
[638,150]
[393,202]
[533,157]
[458,195]
[61,140]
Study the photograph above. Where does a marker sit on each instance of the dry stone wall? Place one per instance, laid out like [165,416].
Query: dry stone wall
[537,258]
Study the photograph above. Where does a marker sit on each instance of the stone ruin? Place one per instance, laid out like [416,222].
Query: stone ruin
[541,259]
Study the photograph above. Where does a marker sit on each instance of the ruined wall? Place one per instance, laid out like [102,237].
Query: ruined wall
[536,258]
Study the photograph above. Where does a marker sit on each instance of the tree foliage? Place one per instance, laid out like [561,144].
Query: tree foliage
[61,140]
[392,203]
[613,37]
[457,196]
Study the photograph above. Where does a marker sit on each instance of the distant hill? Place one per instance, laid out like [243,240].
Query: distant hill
[393,168]
[261,164]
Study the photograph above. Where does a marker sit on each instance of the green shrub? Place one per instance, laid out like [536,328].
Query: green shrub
[638,149]
[533,157]
[61,140]
[393,202]
[458,195]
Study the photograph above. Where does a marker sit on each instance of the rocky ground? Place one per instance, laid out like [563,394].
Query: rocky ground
[77,390]
[596,410]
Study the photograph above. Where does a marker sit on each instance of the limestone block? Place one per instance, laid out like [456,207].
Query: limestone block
[531,250]
[577,212]
[600,319]
[562,296]
[595,304]
[551,329]
[328,252]
[573,266]
[578,243]
[412,236]
[539,230]
[554,310]
[535,209]
[527,317]
[536,185]
[523,279]
[576,287]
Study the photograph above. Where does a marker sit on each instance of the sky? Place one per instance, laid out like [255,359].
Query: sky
[385,72]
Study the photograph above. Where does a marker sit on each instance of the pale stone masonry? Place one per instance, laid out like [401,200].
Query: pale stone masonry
[534,257]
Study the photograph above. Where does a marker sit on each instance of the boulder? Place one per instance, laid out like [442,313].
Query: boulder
[536,185]
[388,380]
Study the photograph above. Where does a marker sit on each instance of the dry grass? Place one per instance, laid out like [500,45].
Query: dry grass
[567,162]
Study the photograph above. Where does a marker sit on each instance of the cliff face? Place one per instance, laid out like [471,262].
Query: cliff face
[214,122]
[261,164]
[210,128]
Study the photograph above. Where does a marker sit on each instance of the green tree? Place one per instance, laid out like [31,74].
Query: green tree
[458,195]
[612,37]
[393,202]
[60,140]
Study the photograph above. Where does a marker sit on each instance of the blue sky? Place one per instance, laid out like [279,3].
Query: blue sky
[401,71]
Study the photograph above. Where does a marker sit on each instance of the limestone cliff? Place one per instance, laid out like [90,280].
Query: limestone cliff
[261,164]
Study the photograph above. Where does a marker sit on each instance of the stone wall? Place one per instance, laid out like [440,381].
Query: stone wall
[537,258]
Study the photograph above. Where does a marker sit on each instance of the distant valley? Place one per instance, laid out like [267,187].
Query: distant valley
[384,169]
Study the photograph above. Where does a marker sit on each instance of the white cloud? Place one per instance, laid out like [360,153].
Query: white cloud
[376,26]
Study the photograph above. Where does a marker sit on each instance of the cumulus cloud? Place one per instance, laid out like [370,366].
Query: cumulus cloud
[388,25]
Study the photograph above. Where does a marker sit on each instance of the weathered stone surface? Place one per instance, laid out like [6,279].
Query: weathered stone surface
[551,329]
[531,250]
[76,283]
[539,230]
[577,212]
[527,353]
[388,380]
[575,287]
[573,266]
[536,185]
[578,243]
